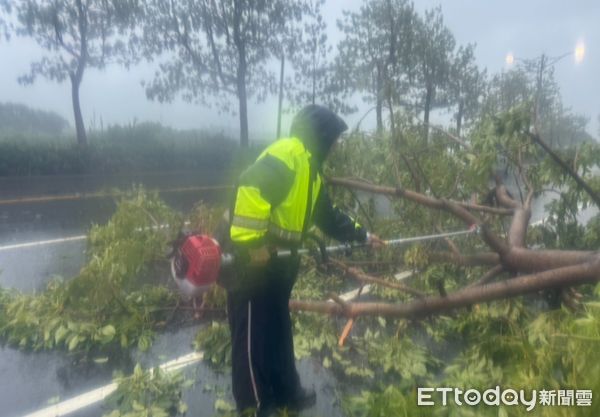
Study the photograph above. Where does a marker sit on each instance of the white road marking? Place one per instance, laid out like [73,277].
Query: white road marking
[42,242]
[81,401]
[63,240]
[351,295]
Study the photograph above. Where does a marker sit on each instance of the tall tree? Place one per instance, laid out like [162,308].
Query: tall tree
[310,58]
[287,48]
[521,85]
[4,13]
[312,76]
[216,49]
[433,54]
[466,86]
[507,90]
[77,34]
[375,55]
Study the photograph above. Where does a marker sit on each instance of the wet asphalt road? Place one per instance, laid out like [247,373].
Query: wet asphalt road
[30,381]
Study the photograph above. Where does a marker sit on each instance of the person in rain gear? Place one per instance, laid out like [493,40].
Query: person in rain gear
[277,200]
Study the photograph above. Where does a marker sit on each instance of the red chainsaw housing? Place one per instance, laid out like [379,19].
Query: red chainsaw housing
[203,254]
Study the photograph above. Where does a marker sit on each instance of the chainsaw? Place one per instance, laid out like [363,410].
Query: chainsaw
[197,260]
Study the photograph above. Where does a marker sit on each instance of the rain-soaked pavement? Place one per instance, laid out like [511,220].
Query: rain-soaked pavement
[30,381]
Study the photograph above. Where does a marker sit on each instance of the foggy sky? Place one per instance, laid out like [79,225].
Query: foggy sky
[525,28]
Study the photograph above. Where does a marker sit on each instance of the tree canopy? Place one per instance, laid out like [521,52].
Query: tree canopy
[76,35]
[215,50]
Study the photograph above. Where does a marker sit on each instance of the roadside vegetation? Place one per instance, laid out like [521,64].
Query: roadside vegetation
[112,304]
[118,149]
[542,340]
[115,304]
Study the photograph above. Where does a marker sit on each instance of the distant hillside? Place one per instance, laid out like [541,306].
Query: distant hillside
[20,119]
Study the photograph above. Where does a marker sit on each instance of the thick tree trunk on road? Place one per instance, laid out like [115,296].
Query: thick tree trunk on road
[547,269]
[586,273]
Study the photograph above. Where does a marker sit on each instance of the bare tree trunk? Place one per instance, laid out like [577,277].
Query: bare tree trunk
[379,101]
[459,117]
[362,277]
[513,257]
[241,73]
[567,168]
[427,110]
[243,100]
[279,108]
[79,126]
[314,78]
[539,86]
[77,76]
[547,269]
[556,278]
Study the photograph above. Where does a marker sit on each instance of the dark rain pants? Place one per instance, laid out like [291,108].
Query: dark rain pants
[263,364]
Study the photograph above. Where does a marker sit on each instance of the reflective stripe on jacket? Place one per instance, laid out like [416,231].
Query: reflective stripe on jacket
[273,194]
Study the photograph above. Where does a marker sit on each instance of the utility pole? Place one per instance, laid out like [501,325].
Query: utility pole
[542,64]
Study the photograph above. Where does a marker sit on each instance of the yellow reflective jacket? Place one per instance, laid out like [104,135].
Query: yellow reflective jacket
[281,195]
[277,194]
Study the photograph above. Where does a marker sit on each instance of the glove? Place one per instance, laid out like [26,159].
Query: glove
[374,240]
[259,256]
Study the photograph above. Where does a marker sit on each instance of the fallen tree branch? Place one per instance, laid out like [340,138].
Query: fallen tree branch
[439,204]
[488,277]
[570,298]
[362,277]
[451,245]
[586,273]
[336,298]
[485,209]
[411,195]
[478,259]
[529,260]
[504,198]
[517,233]
[513,256]
[370,263]
[572,173]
